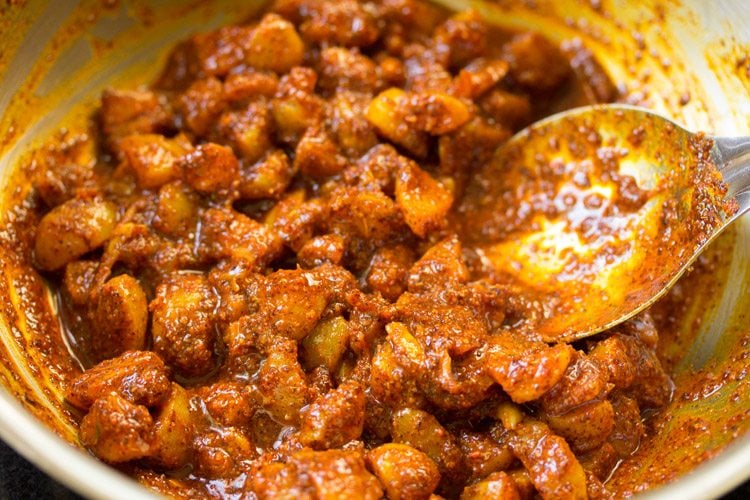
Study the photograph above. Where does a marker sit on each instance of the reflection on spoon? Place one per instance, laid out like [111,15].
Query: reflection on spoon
[599,210]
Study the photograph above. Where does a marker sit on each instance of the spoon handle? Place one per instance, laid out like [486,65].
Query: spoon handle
[732,157]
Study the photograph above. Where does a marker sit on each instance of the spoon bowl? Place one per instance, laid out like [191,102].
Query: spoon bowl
[599,210]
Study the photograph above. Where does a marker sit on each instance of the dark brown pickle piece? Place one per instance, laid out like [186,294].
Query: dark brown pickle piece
[424,432]
[281,388]
[248,131]
[117,430]
[219,452]
[152,158]
[389,270]
[553,468]
[174,426]
[201,105]
[211,168]
[183,324]
[335,418]
[526,370]
[127,112]
[138,376]
[405,472]
[318,474]
[485,453]
[121,318]
[72,229]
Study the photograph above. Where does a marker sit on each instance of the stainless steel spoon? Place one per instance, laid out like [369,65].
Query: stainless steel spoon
[598,211]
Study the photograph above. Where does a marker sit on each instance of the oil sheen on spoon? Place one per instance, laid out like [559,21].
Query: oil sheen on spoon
[597,210]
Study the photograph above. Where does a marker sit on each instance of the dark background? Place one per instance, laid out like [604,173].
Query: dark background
[20,479]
